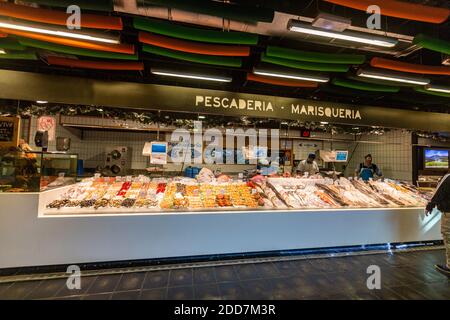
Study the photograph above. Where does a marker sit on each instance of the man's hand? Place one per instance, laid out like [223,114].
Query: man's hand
[430,206]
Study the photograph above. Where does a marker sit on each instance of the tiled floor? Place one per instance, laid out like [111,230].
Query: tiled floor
[408,275]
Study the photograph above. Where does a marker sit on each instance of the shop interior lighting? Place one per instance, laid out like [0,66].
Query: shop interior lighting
[41,101]
[178,74]
[54,31]
[387,76]
[301,27]
[2,51]
[201,117]
[288,75]
[436,88]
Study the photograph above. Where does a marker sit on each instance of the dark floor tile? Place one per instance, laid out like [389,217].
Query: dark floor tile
[85,284]
[387,294]
[19,290]
[225,274]
[154,294]
[68,298]
[4,287]
[284,289]
[287,268]
[257,289]
[131,281]
[305,267]
[181,277]
[204,276]
[348,281]
[246,271]
[107,283]
[408,293]
[393,277]
[97,296]
[207,292]
[126,295]
[305,286]
[156,279]
[232,291]
[323,265]
[434,291]
[180,293]
[363,295]
[47,289]
[428,276]
[267,270]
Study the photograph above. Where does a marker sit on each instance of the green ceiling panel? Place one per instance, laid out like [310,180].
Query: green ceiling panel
[170,29]
[305,65]
[197,58]
[363,86]
[310,56]
[431,43]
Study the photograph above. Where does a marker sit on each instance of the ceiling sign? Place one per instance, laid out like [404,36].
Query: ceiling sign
[73,90]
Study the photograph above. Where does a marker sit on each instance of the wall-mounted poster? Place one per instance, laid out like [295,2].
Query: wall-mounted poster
[46,123]
[9,131]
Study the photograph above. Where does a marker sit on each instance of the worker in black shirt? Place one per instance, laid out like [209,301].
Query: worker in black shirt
[367,169]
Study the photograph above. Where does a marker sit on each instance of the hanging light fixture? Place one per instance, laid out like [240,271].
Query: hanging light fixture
[290,75]
[301,27]
[6,25]
[189,75]
[391,76]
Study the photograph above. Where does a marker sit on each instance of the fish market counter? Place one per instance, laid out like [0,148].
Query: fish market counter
[30,237]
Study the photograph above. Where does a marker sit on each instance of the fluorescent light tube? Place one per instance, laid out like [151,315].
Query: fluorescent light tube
[35,28]
[392,77]
[436,88]
[178,74]
[297,26]
[2,51]
[41,101]
[295,76]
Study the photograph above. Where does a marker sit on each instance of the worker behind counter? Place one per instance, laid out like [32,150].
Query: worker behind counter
[367,170]
[308,165]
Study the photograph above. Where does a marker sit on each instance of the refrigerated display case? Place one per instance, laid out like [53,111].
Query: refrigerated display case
[33,171]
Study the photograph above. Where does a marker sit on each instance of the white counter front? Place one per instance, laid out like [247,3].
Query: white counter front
[29,238]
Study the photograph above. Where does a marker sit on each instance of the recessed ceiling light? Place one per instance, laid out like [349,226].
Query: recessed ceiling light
[54,31]
[178,74]
[389,76]
[41,101]
[291,75]
[301,27]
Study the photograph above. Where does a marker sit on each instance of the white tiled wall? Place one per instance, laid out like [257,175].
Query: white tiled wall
[391,151]
[91,146]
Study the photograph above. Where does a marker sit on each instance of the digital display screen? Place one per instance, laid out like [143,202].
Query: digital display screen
[159,148]
[436,159]
[341,156]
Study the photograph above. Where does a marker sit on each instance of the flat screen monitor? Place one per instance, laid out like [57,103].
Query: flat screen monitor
[436,159]
[341,156]
[159,147]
